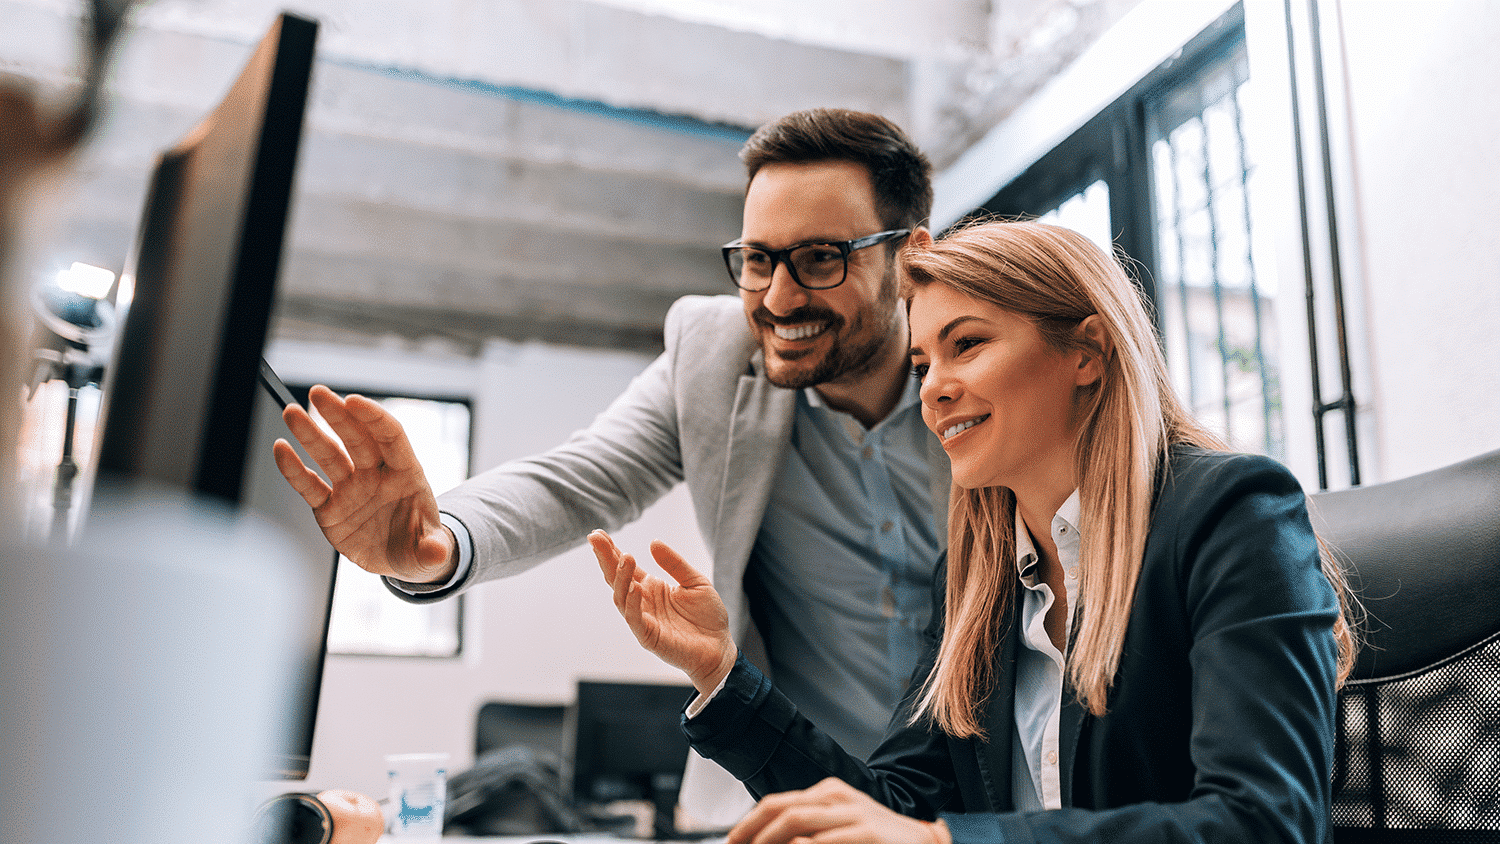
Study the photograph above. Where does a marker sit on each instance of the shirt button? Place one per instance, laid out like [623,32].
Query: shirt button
[887,602]
[867,453]
[885,526]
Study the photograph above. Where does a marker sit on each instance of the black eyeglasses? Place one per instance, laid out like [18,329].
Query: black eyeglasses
[815,266]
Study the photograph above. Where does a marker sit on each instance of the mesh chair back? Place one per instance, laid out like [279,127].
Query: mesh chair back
[1418,754]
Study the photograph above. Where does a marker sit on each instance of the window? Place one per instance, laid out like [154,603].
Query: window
[1165,176]
[367,619]
[1214,309]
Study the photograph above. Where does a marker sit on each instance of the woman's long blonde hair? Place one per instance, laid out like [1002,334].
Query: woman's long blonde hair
[1056,277]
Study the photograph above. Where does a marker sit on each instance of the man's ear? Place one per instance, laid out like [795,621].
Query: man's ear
[1097,346]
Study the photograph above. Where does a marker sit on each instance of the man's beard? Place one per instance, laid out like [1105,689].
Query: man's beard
[856,346]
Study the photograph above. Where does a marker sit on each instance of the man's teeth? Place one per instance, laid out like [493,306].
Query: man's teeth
[962,426]
[797,332]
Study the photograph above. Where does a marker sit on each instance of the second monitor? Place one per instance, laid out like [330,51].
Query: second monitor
[628,744]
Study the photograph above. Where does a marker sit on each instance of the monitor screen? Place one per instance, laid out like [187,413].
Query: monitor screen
[181,404]
[628,744]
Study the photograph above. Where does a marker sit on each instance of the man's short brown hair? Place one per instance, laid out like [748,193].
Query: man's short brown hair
[900,173]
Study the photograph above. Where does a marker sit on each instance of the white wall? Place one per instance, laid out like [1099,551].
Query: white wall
[1424,118]
[526,638]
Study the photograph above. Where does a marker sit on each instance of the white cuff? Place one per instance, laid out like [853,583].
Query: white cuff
[702,700]
[465,558]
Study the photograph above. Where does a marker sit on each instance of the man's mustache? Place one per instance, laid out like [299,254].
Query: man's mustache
[797,317]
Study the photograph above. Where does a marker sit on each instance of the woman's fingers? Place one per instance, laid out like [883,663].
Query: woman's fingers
[781,818]
[606,553]
[767,811]
[675,566]
[621,573]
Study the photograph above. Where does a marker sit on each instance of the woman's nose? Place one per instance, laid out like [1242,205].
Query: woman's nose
[938,386]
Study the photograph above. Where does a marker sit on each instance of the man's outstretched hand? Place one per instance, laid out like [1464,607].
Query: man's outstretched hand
[376,507]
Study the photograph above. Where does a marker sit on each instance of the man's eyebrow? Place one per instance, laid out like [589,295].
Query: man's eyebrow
[762,245]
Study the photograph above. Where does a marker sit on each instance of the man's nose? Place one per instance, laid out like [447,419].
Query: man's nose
[785,294]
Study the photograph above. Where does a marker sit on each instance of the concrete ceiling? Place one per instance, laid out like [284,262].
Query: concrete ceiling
[556,170]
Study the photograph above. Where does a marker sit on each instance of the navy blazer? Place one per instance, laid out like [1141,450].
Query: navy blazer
[1219,724]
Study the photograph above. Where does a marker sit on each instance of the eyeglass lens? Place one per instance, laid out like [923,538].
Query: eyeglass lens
[814,265]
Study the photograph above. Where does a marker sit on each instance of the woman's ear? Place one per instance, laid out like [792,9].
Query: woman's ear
[1096,348]
[921,237]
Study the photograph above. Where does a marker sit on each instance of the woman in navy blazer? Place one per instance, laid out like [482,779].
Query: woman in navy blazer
[1136,638]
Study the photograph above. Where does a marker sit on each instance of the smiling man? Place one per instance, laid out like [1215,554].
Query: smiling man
[788,411]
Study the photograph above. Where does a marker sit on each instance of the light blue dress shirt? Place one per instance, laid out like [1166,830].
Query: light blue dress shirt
[841,575]
[1036,782]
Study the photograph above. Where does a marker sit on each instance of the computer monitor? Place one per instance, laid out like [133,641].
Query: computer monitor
[181,407]
[197,294]
[628,744]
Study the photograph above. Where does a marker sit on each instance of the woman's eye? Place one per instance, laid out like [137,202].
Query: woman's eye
[963,344]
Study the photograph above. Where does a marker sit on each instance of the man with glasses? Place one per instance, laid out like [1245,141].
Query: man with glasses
[789,412]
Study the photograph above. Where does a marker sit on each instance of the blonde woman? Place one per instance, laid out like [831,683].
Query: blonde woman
[1138,638]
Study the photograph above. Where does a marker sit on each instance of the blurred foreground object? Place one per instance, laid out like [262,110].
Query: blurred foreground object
[147,673]
[36,139]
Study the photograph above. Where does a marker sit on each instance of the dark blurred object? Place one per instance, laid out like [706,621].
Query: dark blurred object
[516,784]
[1418,752]
[538,726]
[628,744]
[512,790]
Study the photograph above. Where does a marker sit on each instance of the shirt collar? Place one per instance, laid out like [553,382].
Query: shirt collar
[910,397]
[1026,556]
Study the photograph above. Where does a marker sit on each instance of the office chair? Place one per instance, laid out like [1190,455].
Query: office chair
[1418,743]
[534,725]
[516,786]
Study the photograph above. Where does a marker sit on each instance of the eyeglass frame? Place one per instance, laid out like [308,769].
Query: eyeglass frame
[783,256]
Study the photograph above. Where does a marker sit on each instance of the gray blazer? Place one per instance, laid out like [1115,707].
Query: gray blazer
[702,413]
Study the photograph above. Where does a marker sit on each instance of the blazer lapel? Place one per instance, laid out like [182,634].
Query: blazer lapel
[759,433]
[1069,727]
[1000,718]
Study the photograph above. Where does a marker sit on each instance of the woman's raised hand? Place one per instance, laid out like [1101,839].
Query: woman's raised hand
[685,624]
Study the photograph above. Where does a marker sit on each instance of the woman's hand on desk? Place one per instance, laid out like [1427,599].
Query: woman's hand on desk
[684,624]
[376,507]
[832,812]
